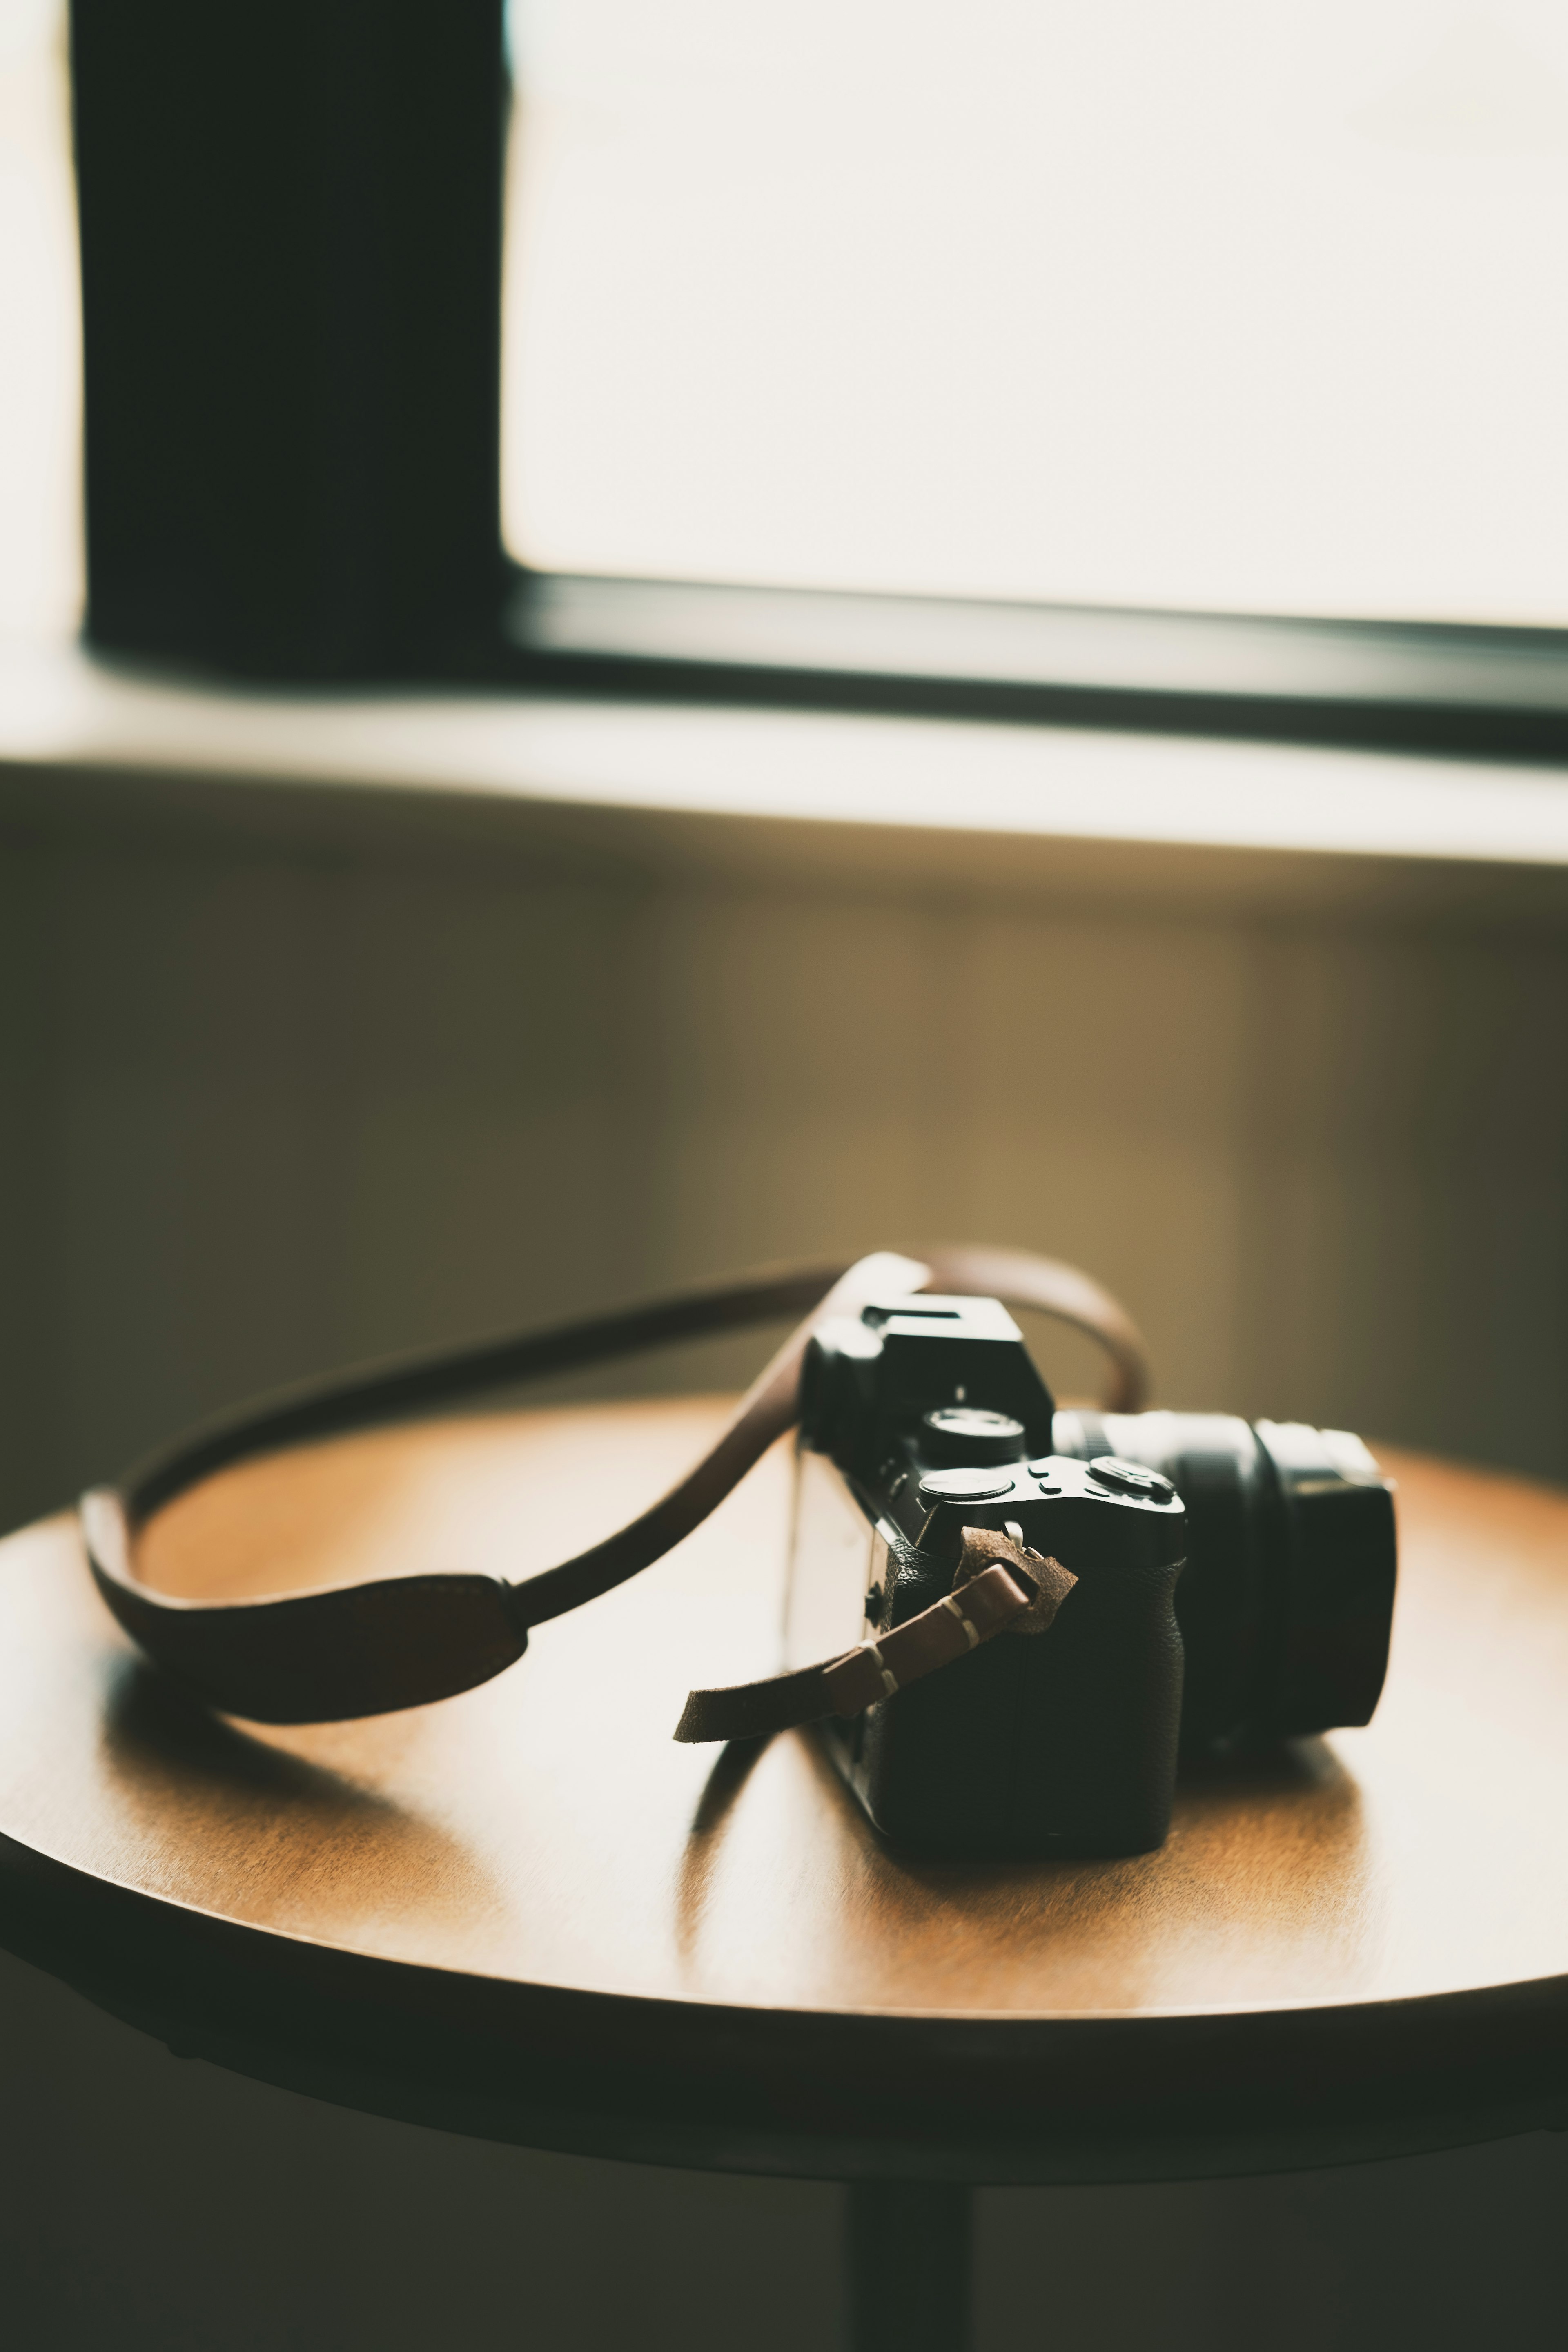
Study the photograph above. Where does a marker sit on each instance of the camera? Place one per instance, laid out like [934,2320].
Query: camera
[1235,1582]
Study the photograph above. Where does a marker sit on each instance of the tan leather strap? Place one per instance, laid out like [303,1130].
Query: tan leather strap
[1016,1591]
[402,1641]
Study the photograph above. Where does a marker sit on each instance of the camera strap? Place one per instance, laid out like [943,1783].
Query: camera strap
[998,1588]
[369,1648]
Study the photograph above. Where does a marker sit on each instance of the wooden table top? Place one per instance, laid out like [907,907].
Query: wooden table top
[527,1912]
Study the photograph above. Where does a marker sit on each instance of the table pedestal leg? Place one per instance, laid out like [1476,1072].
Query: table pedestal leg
[909,2262]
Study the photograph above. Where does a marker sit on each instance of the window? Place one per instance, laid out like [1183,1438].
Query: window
[40,389]
[1236,306]
[1171,363]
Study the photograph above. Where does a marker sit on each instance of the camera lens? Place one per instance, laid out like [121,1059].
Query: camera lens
[968,1433]
[1286,1601]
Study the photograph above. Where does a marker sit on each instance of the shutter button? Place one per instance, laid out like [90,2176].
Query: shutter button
[966,1486]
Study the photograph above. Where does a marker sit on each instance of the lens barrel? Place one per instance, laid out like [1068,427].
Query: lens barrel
[1287,1600]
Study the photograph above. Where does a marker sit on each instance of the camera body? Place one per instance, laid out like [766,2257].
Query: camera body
[924,1418]
[1234,1583]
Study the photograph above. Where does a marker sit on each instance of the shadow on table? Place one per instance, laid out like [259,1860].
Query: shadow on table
[1263,1891]
[241,1825]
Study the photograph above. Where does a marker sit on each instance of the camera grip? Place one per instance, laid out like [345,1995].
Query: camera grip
[1065,1747]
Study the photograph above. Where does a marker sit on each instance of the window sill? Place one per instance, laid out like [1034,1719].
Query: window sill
[901,799]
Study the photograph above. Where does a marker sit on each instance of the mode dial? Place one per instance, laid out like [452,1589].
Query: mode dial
[968,1433]
[1132,1478]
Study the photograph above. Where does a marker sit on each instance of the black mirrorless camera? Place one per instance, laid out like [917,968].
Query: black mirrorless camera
[1234,1583]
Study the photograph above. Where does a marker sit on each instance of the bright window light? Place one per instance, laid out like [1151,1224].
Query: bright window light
[1234,305]
[40,333]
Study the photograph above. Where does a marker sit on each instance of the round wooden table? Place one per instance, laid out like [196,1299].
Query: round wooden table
[528,1915]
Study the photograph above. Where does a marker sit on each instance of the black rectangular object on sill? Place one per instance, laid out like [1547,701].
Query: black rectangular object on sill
[290,227]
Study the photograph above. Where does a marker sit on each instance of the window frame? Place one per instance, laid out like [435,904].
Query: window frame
[292,234]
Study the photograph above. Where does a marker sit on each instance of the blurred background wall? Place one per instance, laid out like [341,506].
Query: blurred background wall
[280,1093]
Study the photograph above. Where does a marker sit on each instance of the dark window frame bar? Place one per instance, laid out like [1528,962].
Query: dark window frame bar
[1466,691]
[291,231]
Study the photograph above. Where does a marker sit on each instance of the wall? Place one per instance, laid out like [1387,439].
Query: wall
[276,1099]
